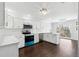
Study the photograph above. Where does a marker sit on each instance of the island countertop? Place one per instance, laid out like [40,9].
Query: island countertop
[9,40]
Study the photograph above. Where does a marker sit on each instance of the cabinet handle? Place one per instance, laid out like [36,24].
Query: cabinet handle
[6,23]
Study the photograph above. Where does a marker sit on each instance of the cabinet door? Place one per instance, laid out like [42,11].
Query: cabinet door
[21,42]
[47,37]
[13,22]
[36,38]
[18,23]
[9,21]
[1,15]
[52,38]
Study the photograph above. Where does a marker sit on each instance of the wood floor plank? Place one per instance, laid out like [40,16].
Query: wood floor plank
[66,48]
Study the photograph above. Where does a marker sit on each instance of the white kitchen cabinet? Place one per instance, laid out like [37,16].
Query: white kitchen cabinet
[13,22]
[18,23]
[1,15]
[9,46]
[52,38]
[36,38]
[9,21]
[10,50]
[21,41]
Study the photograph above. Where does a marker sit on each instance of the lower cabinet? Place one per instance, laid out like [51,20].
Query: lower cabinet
[21,42]
[36,38]
[52,38]
[10,50]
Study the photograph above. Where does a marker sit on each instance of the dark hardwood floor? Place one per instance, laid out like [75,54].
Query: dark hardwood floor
[66,48]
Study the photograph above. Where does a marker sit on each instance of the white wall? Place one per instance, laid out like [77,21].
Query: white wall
[72,26]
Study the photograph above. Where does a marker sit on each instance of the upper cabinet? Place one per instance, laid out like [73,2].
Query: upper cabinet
[9,21]
[2,15]
[12,21]
[18,23]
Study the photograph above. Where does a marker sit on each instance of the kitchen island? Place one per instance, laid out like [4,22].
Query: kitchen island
[9,47]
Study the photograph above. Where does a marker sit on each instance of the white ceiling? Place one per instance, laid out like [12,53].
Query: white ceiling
[56,10]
